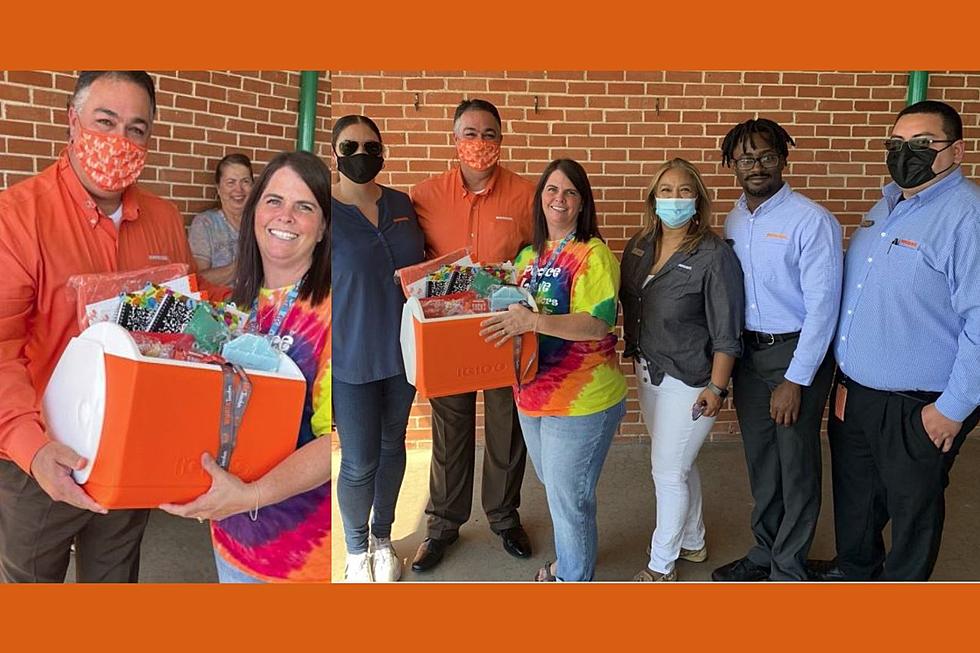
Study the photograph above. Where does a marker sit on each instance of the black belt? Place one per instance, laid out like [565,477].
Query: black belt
[922,396]
[760,338]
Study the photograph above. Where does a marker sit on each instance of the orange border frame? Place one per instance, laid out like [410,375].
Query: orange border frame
[503,34]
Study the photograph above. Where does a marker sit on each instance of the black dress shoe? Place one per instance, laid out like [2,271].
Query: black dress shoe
[516,542]
[741,571]
[430,553]
[824,571]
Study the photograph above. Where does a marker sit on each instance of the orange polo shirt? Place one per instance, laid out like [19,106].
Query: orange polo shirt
[51,229]
[494,224]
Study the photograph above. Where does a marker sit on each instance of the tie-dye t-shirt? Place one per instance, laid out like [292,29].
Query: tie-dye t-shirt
[574,377]
[290,540]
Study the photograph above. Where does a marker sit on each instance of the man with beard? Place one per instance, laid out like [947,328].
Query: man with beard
[790,249]
[908,347]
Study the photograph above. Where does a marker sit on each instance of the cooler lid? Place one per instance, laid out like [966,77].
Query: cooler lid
[411,312]
[74,401]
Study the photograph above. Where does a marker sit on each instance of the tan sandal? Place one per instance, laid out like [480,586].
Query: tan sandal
[647,575]
[546,574]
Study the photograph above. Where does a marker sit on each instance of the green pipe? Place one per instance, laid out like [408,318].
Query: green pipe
[918,85]
[306,127]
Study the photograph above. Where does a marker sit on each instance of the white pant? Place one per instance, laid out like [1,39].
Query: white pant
[675,442]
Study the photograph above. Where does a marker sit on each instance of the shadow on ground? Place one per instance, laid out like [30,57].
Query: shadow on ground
[627,514]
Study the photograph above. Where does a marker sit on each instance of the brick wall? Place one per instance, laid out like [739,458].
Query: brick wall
[622,125]
[201,116]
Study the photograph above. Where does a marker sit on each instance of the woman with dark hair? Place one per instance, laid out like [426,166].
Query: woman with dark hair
[376,232]
[573,407]
[683,305]
[213,235]
[277,528]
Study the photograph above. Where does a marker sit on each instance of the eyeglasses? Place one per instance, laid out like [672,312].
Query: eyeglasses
[916,144]
[746,163]
[349,148]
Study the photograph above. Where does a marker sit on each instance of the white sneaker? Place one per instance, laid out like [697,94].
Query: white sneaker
[385,563]
[358,569]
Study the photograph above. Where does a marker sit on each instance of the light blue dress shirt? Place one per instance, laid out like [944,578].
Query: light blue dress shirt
[791,251]
[910,315]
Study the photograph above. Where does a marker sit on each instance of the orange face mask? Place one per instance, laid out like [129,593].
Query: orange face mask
[478,153]
[112,162]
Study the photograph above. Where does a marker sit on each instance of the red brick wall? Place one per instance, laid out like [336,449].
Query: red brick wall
[622,125]
[201,116]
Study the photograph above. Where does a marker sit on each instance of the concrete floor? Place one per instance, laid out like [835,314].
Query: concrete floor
[175,550]
[626,519]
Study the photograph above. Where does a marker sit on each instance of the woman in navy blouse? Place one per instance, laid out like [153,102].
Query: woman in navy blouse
[375,232]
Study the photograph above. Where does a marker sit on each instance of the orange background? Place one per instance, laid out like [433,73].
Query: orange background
[497,34]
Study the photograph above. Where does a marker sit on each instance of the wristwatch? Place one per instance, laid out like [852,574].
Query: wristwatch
[721,392]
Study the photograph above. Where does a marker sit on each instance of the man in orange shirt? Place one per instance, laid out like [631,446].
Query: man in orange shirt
[83,214]
[487,208]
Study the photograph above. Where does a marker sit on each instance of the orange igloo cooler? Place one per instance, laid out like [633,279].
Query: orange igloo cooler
[143,423]
[447,355]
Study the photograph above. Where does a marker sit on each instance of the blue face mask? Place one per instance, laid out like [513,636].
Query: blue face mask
[676,211]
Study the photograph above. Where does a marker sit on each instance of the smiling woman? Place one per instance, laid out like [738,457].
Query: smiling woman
[213,235]
[573,407]
[278,527]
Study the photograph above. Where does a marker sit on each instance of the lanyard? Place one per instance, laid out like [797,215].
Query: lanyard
[281,315]
[532,284]
[235,393]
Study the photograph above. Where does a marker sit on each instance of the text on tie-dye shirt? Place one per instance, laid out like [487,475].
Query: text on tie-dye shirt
[574,377]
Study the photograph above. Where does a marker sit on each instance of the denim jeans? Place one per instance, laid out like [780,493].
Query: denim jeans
[371,419]
[227,573]
[567,454]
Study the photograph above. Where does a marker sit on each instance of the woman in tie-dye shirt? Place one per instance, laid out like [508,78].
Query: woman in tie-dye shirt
[573,407]
[278,527]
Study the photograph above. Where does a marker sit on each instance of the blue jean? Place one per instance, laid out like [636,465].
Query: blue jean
[568,454]
[230,574]
[371,419]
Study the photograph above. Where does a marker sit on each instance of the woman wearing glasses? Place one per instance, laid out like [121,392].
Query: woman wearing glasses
[683,306]
[375,232]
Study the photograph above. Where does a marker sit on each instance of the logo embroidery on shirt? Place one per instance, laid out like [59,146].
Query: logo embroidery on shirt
[776,236]
[505,217]
[683,267]
[397,220]
[911,244]
[158,257]
[637,251]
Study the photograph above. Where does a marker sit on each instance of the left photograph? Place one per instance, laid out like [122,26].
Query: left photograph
[165,326]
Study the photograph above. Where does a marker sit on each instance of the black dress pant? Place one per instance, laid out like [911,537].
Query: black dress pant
[453,458]
[885,467]
[783,461]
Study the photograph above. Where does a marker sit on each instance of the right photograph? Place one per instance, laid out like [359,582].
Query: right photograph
[655,326]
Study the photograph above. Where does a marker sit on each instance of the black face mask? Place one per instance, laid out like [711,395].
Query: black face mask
[360,168]
[912,168]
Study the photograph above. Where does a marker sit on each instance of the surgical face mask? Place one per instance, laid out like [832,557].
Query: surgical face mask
[912,168]
[360,168]
[676,211]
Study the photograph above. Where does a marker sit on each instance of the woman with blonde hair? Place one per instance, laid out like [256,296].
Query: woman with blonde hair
[683,302]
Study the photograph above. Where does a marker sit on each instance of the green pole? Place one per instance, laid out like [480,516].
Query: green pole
[918,85]
[306,126]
